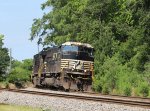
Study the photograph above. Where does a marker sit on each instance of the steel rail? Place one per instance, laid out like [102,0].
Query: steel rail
[137,101]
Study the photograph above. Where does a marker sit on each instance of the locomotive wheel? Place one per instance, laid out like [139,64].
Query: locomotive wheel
[34,82]
[85,87]
[79,85]
[66,84]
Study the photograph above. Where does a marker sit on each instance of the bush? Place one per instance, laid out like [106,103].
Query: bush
[97,85]
[127,90]
[144,89]
[19,76]
[105,89]
[4,84]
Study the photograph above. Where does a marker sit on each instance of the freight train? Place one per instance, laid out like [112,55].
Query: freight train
[69,66]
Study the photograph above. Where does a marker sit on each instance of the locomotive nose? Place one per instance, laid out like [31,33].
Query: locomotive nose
[79,65]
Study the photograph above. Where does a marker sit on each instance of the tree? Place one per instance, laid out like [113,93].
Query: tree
[21,72]
[61,24]
[27,64]
[4,58]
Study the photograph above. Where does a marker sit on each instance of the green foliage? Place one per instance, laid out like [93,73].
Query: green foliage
[144,89]
[119,30]
[105,89]
[4,58]
[127,90]
[16,63]
[25,64]
[18,75]
[97,85]
[21,72]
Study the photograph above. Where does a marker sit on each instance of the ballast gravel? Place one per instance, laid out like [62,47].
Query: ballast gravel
[61,104]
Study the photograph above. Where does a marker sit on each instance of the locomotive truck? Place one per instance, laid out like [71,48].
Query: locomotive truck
[69,66]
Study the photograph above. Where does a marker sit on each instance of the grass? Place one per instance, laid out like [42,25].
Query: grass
[3,84]
[4,107]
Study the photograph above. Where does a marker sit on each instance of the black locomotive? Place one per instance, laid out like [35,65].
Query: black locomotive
[69,66]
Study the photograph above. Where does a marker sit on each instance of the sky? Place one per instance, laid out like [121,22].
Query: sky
[16,18]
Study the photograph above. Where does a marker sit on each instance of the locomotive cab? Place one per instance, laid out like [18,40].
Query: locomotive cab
[78,56]
[77,63]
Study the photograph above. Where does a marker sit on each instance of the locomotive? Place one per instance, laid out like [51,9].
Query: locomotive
[69,66]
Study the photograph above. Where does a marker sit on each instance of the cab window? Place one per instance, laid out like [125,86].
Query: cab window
[69,48]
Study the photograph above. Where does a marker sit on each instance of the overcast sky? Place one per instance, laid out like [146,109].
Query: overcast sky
[16,18]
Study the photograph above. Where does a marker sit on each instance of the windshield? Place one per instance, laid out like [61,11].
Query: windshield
[78,49]
[77,52]
[69,48]
[87,50]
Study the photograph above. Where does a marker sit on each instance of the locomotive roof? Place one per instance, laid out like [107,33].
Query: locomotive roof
[47,49]
[78,44]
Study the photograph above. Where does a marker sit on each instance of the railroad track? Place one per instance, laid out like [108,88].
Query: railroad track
[132,101]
